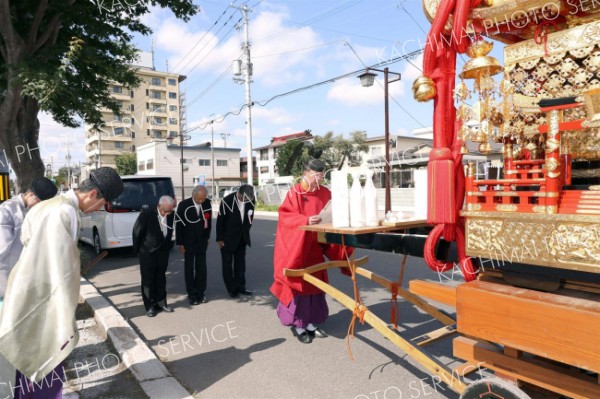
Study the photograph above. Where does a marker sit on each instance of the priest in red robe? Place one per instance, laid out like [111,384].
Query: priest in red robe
[301,304]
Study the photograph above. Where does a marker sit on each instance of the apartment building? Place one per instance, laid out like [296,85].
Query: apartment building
[151,111]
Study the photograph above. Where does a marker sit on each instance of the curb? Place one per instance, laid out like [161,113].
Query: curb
[150,372]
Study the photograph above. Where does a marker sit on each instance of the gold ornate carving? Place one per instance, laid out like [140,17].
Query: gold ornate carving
[552,209]
[506,207]
[539,209]
[558,43]
[551,242]
[552,164]
[473,207]
[585,143]
[552,145]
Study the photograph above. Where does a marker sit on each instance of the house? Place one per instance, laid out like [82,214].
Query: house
[200,164]
[267,155]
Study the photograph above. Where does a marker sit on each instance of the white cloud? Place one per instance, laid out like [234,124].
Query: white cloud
[350,92]
[276,116]
[411,72]
[54,140]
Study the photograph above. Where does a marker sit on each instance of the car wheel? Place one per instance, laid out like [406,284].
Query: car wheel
[97,245]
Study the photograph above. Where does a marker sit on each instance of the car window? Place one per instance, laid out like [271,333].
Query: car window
[139,194]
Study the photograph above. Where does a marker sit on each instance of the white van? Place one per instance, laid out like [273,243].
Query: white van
[112,226]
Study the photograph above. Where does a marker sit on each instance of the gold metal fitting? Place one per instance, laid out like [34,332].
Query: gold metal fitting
[423,89]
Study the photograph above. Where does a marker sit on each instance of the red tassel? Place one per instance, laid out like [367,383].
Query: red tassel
[440,176]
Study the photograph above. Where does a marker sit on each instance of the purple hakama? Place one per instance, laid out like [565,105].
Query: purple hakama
[303,310]
[48,388]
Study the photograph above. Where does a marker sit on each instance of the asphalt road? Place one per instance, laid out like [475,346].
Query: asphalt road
[236,348]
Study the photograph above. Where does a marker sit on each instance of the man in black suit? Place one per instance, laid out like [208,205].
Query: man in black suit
[233,234]
[194,221]
[152,240]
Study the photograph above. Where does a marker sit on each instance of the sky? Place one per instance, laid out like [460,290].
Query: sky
[294,44]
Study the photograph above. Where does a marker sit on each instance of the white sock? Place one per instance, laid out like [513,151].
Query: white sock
[299,330]
[311,327]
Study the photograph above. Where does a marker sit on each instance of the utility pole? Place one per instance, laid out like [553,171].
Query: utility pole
[247,80]
[68,166]
[212,154]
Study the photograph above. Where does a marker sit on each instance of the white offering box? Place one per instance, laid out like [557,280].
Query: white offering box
[340,199]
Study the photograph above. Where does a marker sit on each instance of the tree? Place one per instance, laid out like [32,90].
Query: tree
[61,56]
[289,158]
[126,164]
[334,151]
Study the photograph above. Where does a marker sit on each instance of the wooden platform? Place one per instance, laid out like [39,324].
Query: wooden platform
[562,326]
[328,228]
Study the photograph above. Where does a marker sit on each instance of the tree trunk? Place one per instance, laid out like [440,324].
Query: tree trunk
[19,133]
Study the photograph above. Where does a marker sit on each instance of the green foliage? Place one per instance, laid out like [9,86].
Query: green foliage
[261,206]
[290,158]
[126,164]
[66,54]
[334,151]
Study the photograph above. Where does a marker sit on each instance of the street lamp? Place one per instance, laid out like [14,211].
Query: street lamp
[366,80]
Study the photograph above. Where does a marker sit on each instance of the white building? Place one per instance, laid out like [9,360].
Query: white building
[267,155]
[159,158]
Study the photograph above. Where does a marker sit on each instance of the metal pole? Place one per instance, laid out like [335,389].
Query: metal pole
[248,76]
[181,160]
[387,143]
[99,164]
[212,155]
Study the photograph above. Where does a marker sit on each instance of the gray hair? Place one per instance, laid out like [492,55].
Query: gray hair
[166,200]
[199,188]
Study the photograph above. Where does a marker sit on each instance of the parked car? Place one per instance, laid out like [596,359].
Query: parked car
[112,226]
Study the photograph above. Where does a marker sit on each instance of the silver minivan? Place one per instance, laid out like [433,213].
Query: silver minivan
[112,226]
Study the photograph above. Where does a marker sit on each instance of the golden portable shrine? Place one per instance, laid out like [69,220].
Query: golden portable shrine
[534,317]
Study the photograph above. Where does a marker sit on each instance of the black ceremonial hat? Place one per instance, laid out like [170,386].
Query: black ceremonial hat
[316,165]
[108,182]
[43,188]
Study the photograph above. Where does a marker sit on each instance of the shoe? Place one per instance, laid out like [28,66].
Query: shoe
[151,312]
[202,300]
[317,333]
[167,309]
[246,292]
[305,337]
[193,301]
[233,294]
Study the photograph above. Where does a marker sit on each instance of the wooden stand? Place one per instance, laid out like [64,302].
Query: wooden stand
[547,340]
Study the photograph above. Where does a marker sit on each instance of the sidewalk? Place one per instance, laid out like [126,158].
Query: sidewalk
[111,360]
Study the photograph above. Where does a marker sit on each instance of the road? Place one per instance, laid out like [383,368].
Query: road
[236,348]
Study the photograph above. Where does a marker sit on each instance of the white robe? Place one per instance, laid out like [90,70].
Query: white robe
[37,322]
[12,213]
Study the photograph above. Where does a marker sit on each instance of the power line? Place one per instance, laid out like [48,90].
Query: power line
[202,38]
[216,44]
[379,83]
[319,16]
[300,89]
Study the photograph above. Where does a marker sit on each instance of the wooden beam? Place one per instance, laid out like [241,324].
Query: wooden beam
[581,387]
[324,266]
[430,364]
[433,336]
[408,296]
[434,291]
[562,326]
